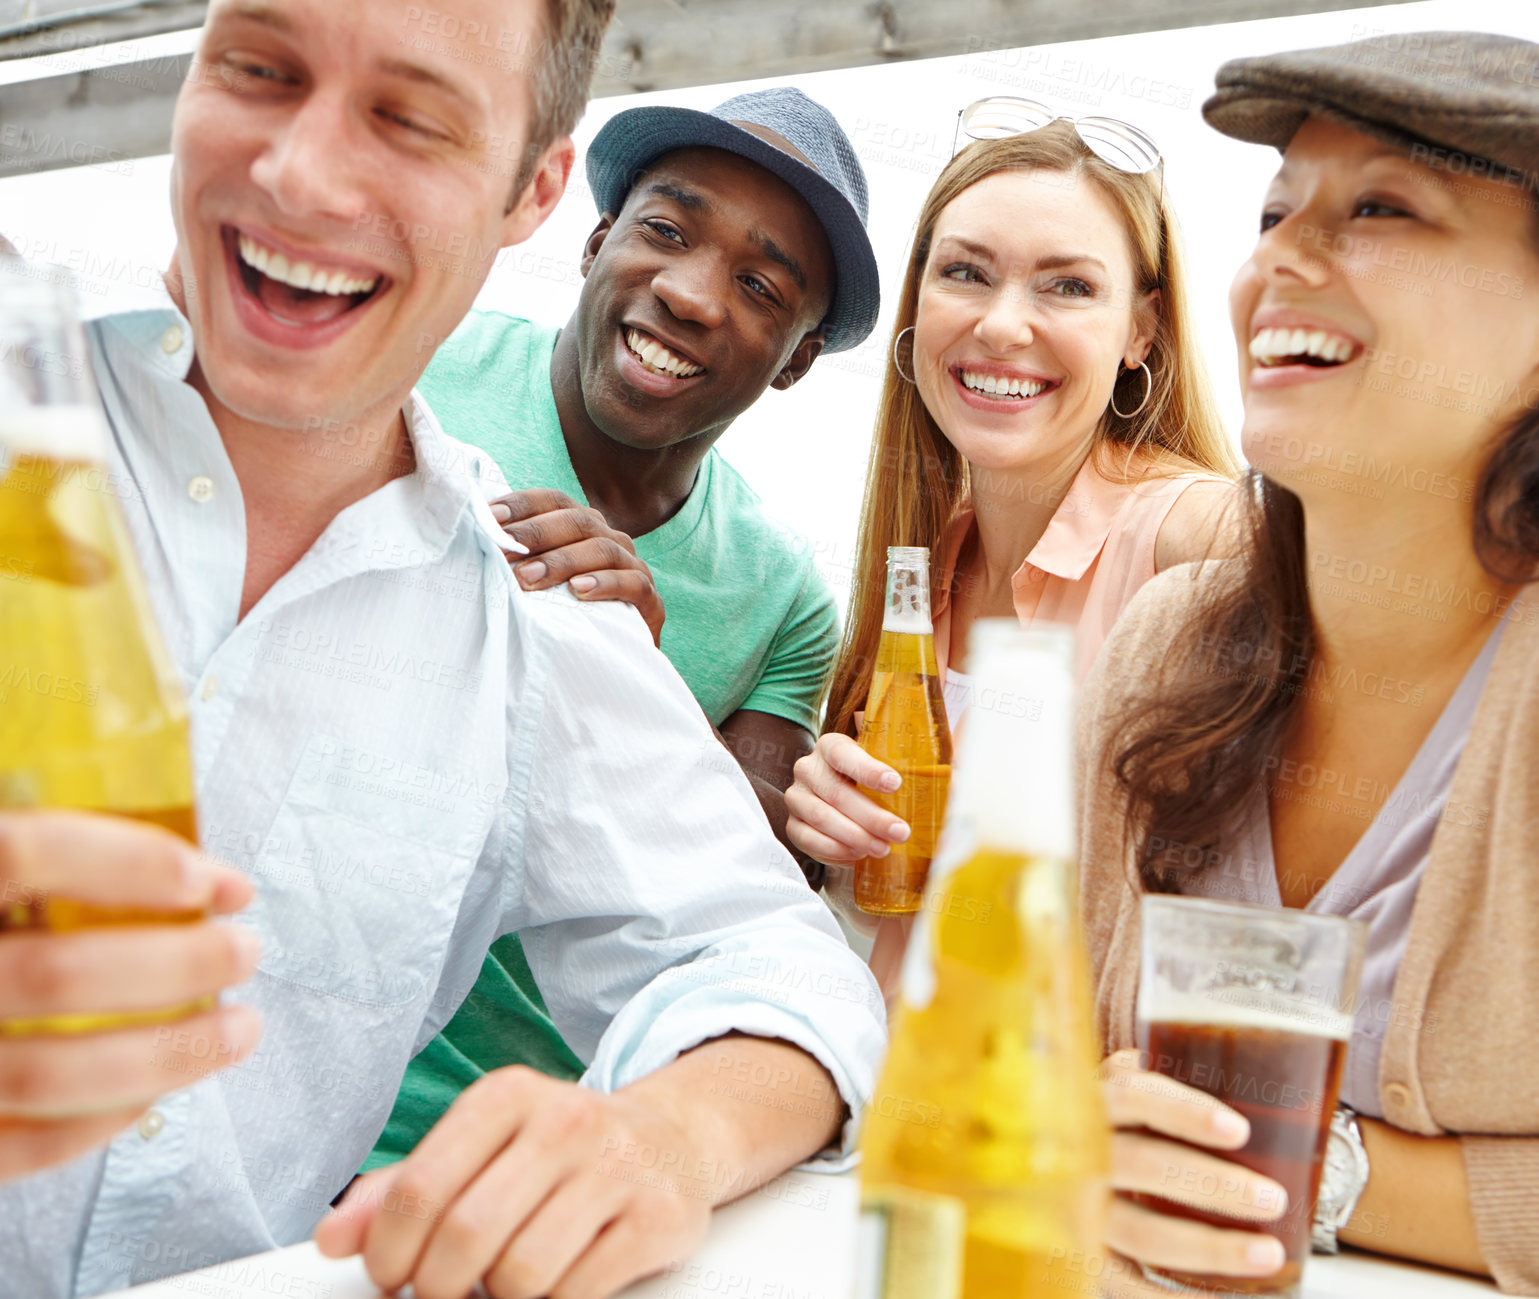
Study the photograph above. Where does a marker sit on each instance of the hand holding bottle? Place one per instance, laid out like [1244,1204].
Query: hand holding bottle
[62,1094]
[904,758]
[830,819]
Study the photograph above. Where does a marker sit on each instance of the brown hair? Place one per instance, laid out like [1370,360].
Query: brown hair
[561,72]
[916,480]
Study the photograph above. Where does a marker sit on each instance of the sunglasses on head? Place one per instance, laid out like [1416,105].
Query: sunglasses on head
[1118,144]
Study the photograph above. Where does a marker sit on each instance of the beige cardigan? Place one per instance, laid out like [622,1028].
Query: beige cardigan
[1461,1052]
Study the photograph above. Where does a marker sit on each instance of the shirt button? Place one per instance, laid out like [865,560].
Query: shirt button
[151,1125]
[200,488]
[171,340]
[210,687]
[1397,1094]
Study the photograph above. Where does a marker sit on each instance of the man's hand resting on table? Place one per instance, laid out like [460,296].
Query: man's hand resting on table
[572,543]
[535,1187]
[64,1094]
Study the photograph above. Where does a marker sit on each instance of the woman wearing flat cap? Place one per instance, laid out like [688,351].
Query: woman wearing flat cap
[1346,719]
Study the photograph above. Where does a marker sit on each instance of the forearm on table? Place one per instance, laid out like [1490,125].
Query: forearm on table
[759,1105]
[1416,1204]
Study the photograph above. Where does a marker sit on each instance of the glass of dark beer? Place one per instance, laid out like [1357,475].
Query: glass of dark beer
[1252,1005]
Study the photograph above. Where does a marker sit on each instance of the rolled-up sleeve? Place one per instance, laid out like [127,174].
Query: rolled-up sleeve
[657,909]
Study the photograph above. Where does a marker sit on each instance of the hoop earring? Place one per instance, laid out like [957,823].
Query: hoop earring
[1148,392]
[907,378]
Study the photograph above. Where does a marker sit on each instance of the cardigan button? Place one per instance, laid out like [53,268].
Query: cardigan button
[1397,1094]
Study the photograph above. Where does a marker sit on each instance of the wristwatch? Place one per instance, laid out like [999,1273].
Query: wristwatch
[1341,1180]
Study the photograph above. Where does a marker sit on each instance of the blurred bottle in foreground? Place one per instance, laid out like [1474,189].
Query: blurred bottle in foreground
[91,714]
[906,727]
[985,1153]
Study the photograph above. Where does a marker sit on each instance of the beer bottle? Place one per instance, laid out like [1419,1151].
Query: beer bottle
[91,713]
[906,728]
[985,1153]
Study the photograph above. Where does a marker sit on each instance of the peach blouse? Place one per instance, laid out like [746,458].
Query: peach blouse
[1097,551]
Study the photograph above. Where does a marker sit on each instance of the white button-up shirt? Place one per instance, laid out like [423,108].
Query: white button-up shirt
[411,756]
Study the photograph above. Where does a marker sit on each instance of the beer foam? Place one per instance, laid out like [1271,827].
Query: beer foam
[1241,1007]
[908,622]
[57,432]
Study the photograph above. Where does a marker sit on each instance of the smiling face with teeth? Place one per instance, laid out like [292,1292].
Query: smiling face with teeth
[1370,317]
[704,290]
[339,197]
[1027,311]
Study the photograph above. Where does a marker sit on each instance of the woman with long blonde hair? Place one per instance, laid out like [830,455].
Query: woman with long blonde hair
[1046,428]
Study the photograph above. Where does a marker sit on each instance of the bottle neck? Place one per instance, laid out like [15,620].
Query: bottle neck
[908,597]
[48,403]
[65,434]
[1011,791]
[1012,788]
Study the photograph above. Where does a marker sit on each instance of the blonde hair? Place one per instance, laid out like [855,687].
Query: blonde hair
[916,480]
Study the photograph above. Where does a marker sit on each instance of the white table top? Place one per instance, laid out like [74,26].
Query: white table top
[793,1238]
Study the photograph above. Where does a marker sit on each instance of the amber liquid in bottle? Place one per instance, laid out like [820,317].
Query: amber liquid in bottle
[906,727]
[985,1152]
[91,716]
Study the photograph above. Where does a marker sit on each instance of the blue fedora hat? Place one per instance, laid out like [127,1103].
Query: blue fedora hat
[823,169]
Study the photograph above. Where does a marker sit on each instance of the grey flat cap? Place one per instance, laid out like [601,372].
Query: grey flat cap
[1470,94]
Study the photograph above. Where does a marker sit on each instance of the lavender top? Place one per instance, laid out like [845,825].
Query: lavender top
[1378,880]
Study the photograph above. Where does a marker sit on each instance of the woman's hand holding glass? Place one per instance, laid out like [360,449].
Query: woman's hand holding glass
[1157,1123]
[829,818]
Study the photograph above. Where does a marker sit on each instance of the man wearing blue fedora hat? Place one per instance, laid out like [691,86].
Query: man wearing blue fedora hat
[730,252]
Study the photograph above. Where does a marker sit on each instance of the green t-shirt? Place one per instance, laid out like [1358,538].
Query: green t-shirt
[750,624]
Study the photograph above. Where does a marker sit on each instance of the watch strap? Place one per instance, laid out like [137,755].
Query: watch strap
[1341,1180]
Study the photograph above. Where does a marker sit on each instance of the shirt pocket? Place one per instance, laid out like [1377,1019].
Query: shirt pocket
[359,880]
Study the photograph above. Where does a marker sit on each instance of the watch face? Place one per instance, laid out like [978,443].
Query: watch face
[1338,1159]
[1344,1175]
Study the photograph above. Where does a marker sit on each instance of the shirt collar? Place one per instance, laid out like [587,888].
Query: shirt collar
[1077,532]
[452,474]
[449,474]
[159,337]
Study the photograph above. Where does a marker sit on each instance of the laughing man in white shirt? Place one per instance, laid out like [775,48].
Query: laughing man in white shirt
[406,755]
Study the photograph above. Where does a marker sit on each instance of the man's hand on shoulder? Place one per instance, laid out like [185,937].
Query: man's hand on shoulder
[572,543]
